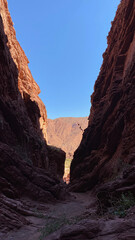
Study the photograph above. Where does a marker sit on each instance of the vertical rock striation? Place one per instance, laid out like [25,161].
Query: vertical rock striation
[109,141]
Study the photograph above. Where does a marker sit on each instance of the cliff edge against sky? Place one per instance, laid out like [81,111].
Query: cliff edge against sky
[109,141]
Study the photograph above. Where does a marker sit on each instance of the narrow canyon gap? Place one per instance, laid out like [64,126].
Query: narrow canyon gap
[31,171]
[66,133]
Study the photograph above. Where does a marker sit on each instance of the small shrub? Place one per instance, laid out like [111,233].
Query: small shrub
[54,224]
[114,205]
[126,201]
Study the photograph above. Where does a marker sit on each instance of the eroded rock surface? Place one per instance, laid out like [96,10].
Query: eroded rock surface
[24,160]
[109,141]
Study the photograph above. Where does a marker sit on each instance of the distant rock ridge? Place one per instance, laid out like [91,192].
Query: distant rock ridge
[109,141]
[66,133]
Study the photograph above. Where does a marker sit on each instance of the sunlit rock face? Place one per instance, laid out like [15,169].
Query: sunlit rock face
[26,84]
[66,133]
[25,167]
[108,144]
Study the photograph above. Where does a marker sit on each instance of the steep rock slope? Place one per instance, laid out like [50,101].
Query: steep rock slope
[26,109]
[66,133]
[109,141]
[27,86]
[22,144]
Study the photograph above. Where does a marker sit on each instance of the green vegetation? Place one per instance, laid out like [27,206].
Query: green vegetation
[68,163]
[117,206]
[121,205]
[54,224]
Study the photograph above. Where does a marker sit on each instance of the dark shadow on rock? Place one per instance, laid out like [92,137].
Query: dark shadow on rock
[23,149]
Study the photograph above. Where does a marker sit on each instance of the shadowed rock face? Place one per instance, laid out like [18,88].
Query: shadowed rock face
[56,161]
[24,157]
[25,112]
[19,102]
[109,141]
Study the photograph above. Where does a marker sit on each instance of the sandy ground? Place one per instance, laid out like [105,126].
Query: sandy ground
[80,205]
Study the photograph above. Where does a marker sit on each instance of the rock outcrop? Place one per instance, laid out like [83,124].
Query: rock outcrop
[18,180]
[108,144]
[56,161]
[24,157]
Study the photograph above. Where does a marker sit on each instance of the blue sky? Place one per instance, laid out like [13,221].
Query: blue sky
[64,41]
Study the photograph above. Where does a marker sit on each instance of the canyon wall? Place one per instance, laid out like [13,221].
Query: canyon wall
[20,113]
[35,119]
[25,159]
[27,86]
[108,144]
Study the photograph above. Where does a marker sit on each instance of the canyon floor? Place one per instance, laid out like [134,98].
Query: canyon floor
[80,216]
[76,218]
[79,206]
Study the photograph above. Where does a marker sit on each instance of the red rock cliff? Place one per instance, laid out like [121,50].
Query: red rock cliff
[34,107]
[109,141]
[26,84]
[23,148]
